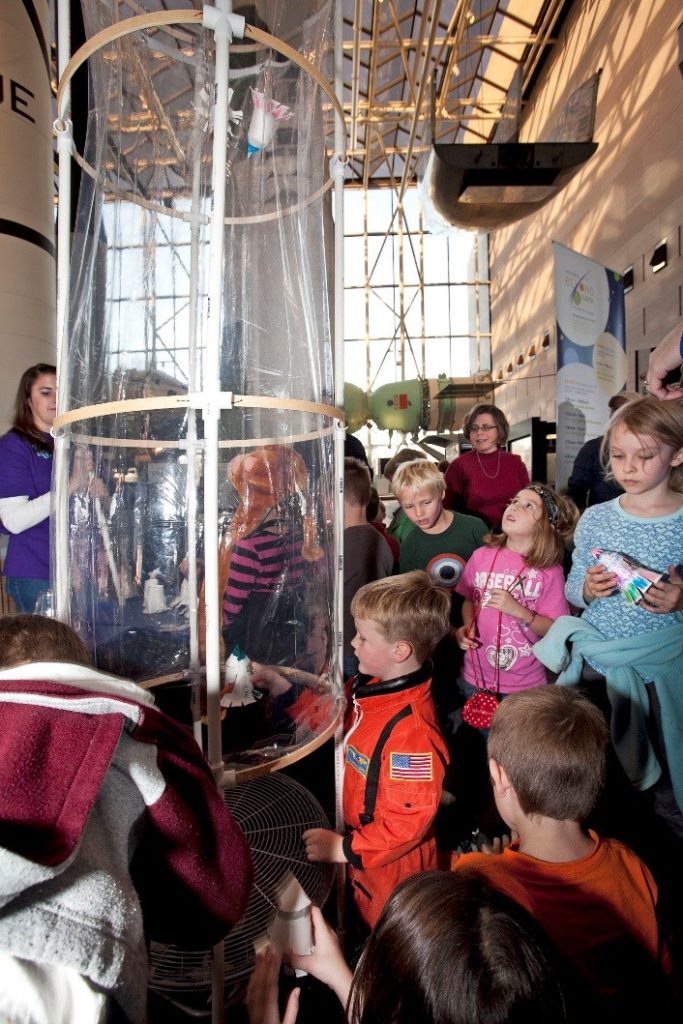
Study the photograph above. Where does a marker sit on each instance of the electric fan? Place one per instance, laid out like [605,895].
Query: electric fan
[273,812]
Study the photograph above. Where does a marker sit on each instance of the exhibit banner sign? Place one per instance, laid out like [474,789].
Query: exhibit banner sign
[591,351]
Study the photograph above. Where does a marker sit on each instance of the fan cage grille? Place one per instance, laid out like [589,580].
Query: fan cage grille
[273,812]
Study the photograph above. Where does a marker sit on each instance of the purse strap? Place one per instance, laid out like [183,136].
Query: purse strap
[476,664]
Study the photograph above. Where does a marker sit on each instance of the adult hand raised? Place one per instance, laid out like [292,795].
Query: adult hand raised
[665,358]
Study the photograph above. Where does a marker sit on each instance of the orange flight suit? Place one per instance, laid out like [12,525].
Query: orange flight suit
[395,759]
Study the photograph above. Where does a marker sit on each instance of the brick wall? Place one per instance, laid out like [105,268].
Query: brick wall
[627,198]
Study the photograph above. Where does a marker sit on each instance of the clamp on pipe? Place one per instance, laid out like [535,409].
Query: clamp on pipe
[62,129]
[338,165]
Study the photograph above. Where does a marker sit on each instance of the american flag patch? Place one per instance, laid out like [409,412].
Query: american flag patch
[411,766]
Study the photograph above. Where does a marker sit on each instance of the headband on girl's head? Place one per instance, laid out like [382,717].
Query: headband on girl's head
[549,503]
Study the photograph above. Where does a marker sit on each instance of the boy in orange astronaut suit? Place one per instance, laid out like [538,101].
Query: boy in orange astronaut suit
[394,754]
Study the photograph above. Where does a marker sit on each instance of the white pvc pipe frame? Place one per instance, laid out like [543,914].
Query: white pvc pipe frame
[339,168]
[222,29]
[224,24]
[64,134]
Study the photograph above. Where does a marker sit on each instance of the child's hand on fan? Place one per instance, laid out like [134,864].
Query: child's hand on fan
[324,845]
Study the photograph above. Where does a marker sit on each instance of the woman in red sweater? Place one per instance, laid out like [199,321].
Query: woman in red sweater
[482,481]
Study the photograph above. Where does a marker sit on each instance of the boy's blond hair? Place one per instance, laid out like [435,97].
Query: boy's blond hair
[551,743]
[419,475]
[357,482]
[407,607]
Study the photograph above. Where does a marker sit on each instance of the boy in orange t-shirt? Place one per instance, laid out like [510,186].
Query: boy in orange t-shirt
[595,898]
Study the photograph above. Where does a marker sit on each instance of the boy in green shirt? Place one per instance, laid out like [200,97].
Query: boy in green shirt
[443,540]
[440,543]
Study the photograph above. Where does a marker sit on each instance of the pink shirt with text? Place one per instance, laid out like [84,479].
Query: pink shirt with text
[502,637]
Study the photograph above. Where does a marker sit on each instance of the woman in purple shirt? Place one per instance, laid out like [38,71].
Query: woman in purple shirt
[25,476]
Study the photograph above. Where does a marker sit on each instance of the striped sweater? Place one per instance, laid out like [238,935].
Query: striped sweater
[266,562]
[263,598]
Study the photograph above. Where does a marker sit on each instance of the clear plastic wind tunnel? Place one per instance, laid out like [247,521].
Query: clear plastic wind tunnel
[194,539]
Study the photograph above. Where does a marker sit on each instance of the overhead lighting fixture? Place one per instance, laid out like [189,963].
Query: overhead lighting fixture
[520,359]
[531,354]
[491,184]
[659,258]
[545,341]
[509,368]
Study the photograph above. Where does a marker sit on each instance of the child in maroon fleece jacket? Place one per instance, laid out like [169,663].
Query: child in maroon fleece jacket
[112,833]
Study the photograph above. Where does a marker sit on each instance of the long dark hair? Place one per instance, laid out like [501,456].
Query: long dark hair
[23,423]
[448,949]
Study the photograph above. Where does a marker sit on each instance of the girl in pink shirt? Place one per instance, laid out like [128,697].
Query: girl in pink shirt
[514,590]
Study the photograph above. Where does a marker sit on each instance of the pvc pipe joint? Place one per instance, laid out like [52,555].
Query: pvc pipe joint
[221,23]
